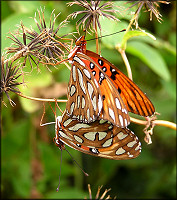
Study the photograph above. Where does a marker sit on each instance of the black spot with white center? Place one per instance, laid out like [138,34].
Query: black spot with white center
[92,66]
[102,77]
[94,72]
[78,145]
[100,62]
[113,73]
[103,97]
[93,150]
[104,69]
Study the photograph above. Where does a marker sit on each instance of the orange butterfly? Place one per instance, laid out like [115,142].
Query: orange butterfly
[98,90]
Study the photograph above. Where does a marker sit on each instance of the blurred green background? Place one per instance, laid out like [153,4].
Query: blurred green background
[30,161]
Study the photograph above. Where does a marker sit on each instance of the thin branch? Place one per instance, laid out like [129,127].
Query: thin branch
[66,64]
[155,122]
[124,57]
[57,63]
[131,22]
[165,123]
[96,36]
[42,100]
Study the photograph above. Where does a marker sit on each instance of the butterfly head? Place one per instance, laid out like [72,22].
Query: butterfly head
[58,121]
[80,46]
[80,41]
[56,139]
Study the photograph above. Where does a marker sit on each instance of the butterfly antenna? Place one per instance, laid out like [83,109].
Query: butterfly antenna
[107,35]
[59,173]
[77,164]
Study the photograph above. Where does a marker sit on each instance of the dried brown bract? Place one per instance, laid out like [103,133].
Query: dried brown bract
[9,78]
[45,45]
[92,12]
[150,6]
[52,47]
[103,196]
[29,51]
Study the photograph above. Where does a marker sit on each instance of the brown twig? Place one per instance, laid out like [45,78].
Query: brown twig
[96,36]
[155,122]
[124,57]
[40,99]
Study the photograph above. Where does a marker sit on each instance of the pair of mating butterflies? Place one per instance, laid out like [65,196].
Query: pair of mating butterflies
[99,98]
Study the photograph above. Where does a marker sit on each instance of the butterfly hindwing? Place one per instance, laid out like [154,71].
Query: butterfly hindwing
[99,138]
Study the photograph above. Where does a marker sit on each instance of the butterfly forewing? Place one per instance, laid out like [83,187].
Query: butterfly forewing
[114,109]
[99,138]
[84,96]
[98,90]
[134,99]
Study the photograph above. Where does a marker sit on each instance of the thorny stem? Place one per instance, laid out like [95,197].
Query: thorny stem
[155,122]
[17,55]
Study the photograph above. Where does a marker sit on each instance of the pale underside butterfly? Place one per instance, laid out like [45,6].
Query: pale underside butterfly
[100,138]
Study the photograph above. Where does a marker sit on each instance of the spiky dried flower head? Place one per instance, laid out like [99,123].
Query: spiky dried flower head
[103,196]
[45,45]
[9,75]
[91,14]
[149,6]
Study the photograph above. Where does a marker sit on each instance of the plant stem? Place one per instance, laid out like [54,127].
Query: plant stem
[96,36]
[155,122]
[131,22]
[124,57]
[42,100]
[134,120]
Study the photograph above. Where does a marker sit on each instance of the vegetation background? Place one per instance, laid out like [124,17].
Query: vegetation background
[30,161]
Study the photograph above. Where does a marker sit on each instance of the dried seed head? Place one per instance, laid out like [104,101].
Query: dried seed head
[9,78]
[103,196]
[92,12]
[43,46]
[148,5]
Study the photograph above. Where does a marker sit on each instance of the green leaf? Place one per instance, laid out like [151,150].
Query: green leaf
[159,44]
[26,6]
[125,11]
[131,34]
[33,81]
[67,193]
[170,88]
[109,27]
[149,56]
[9,24]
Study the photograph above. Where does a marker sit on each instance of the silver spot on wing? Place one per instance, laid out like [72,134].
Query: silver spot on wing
[87,73]
[72,90]
[81,81]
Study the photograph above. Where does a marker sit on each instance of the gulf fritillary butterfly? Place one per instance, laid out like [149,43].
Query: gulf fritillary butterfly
[99,138]
[98,90]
